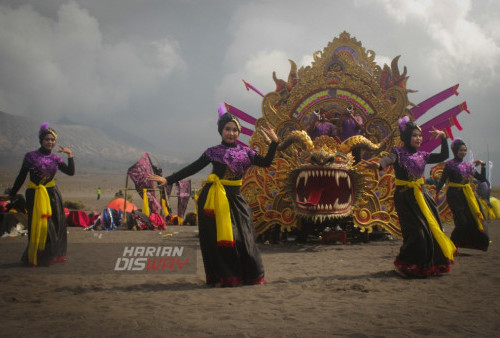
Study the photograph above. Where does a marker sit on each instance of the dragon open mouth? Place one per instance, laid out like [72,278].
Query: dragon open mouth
[324,191]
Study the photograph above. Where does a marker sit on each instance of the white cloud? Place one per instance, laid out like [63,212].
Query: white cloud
[258,71]
[382,60]
[401,11]
[458,43]
[84,58]
[63,66]
[168,56]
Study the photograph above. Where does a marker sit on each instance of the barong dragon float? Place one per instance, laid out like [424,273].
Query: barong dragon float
[329,115]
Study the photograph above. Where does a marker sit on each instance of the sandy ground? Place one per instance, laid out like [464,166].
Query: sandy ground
[312,289]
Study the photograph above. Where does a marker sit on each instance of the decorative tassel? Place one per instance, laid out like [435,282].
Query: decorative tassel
[463,106]
[457,124]
[448,132]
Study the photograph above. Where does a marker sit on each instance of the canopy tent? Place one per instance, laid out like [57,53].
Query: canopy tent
[118,204]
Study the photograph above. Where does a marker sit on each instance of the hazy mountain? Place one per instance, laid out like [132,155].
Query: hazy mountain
[106,149]
[113,132]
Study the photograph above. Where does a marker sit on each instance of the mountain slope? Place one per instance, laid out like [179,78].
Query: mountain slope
[92,147]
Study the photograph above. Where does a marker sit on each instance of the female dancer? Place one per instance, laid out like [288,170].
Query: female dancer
[469,231]
[226,230]
[426,250]
[47,237]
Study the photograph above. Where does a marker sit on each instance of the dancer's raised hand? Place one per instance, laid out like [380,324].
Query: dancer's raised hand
[66,150]
[370,165]
[268,133]
[437,133]
[157,178]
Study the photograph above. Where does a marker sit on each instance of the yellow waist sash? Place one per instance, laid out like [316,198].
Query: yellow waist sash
[41,212]
[218,205]
[472,202]
[444,242]
[145,202]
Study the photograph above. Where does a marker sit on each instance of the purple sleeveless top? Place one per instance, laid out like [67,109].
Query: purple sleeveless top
[465,169]
[47,165]
[414,163]
[238,159]
[323,128]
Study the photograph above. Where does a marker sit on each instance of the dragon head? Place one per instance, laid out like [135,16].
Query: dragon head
[325,185]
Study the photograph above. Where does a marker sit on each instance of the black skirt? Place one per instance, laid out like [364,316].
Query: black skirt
[57,236]
[420,255]
[230,266]
[466,233]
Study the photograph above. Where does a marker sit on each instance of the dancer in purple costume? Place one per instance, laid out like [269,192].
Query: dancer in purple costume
[351,125]
[426,250]
[47,239]
[469,229]
[226,232]
[321,126]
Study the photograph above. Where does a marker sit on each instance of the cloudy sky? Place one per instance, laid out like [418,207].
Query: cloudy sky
[159,68]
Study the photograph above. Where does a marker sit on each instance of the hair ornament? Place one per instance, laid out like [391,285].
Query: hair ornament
[402,122]
[221,109]
[44,127]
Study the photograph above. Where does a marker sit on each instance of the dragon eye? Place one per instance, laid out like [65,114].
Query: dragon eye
[314,160]
[350,108]
[330,160]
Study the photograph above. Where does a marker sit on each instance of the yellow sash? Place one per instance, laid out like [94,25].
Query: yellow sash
[164,207]
[145,202]
[472,202]
[444,242]
[487,209]
[41,212]
[218,204]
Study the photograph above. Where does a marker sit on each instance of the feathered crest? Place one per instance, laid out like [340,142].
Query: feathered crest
[221,109]
[402,123]
[44,127]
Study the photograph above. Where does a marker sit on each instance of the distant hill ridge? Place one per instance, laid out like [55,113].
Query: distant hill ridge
[92,147]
